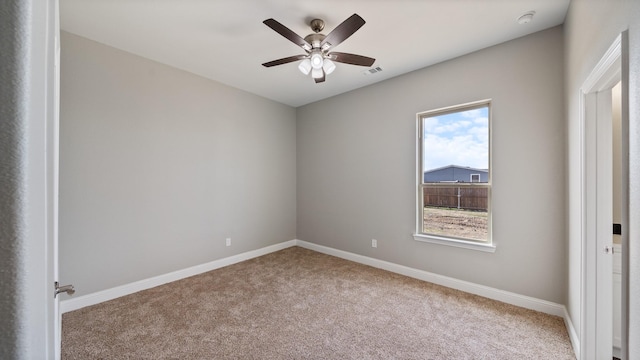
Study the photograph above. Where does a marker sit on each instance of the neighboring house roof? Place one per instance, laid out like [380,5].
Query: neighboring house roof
[456,173]
[457,166]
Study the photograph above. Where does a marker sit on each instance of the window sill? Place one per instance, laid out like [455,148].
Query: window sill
[455,243]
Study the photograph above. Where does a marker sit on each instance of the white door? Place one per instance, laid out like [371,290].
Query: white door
[52,160]
[617,211]
[604,226]
[55,164]
[597,317]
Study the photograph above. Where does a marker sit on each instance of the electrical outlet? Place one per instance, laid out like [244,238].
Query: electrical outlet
[228,241]
[374,243]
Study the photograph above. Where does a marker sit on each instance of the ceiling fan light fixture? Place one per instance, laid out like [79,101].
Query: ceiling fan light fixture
[328,66]
[305,66]
[316,73]
[316,60]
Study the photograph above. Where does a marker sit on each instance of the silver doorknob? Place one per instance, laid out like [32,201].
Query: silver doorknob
[63,289]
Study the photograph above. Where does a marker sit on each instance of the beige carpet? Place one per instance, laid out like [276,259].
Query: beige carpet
[300,304]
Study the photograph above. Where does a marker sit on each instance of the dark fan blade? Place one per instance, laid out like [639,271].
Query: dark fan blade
[319,80]
[344,30]
[288,33]
[285,60]
[352,59]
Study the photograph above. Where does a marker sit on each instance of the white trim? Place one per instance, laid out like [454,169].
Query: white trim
[602,76]
[419,235]
[54,148]
[573,335]
[119,291]
[455,243]
[617,258]
[481,290]
[617,300]
[617,352]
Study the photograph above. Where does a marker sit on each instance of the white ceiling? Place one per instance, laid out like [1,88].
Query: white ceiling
[225,40]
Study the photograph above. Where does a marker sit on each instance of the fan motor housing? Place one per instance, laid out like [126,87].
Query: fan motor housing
[314,39]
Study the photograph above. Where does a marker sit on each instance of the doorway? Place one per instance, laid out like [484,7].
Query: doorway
[597,105]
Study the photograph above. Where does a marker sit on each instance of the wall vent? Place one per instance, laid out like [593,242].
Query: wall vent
[373,70]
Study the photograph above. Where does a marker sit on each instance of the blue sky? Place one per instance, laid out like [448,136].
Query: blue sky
[460,138]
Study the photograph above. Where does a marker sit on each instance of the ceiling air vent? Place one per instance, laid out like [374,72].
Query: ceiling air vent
[373,70]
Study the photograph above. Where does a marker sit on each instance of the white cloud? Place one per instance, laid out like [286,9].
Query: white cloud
[457,139]
[473,114]
[481,120]
[435,125]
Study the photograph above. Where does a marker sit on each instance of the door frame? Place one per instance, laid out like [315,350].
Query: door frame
[50,165]
[596,266]
[36,200]
[53,173]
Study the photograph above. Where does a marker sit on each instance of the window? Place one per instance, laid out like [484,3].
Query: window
[454,176]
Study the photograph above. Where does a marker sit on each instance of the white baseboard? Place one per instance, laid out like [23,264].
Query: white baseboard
[116,292]
[573,334]
[488,292]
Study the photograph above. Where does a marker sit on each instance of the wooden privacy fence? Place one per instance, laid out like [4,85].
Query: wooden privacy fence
[460,197]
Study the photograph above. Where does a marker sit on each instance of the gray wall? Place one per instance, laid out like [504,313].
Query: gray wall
[357,157]
[159,166]
[590,28]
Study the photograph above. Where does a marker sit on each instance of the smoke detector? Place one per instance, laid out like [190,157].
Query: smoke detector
[526,17]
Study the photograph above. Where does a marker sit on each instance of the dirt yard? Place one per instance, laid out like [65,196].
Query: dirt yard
[453,222]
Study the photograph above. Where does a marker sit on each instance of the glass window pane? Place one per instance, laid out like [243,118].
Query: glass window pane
[455,174]
[444,217]
[455,144]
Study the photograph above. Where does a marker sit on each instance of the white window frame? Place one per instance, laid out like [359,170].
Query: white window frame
[419,235]
[471,178]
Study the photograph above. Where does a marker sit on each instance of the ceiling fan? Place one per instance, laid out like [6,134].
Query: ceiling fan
[318,60]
